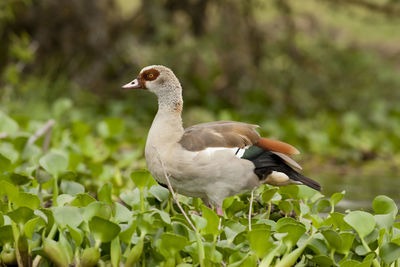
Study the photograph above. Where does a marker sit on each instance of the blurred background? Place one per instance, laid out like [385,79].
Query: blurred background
[323,75]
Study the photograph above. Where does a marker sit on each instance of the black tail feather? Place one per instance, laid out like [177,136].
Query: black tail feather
[266,162]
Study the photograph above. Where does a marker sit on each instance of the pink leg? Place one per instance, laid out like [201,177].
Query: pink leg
[220,211]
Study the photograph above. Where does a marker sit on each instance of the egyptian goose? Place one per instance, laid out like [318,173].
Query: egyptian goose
[212,160]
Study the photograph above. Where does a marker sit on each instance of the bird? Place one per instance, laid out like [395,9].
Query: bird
[212,160]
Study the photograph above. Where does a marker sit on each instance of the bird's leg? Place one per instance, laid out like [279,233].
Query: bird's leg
[220,211]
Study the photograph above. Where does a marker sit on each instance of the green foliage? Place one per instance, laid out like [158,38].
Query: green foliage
[107,212]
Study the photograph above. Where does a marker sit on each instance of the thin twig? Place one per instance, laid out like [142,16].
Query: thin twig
[45,129]
[173,193]
[36,261]
[250,208]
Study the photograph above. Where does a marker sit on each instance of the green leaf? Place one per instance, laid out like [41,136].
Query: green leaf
[212,221]
[333,238]
[347,242]
[19,179]
[285,206]
[103,230]
[67,215]
[362,222]
[115,252]
[27,200]
[5,164]
[384,205]
[90,257]
[7,125]
[54,163]
[82,200]
[97,208]
[389,252]
[6,235]
[122,213]
[141,178]
[336,198]
[55,252]
[33,225]
[259,242]
[268,194]
[110,127]
[76,234]
[295,231]
[170,244]
[104,193]
[159,192]
[21,215]
[199,221]
[71,188]
[9,190]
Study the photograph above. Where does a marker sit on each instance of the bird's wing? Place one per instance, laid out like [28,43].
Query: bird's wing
[230,134]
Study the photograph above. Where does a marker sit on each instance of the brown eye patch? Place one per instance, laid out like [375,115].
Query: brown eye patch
[150,75]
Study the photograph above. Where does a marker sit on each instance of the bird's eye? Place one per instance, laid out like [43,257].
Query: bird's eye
[151,76]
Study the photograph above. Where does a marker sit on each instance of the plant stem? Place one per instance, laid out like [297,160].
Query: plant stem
[55,191]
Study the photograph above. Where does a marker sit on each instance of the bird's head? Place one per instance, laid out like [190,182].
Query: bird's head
[157,79]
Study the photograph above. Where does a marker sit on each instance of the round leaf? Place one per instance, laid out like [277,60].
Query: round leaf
[103,230]
[362,222]
[54,163]
[384,205]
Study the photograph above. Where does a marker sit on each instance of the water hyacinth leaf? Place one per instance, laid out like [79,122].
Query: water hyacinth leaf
[347,242]
[212,221]
[64,199]
[267,195]
[76,234]
[320,205]
[384,205]
[259,242]
[121,213]
[90,257]
[170,244]
[7,125]
[32,225]
[350,263]
[21,215]
[142,178]
[110,127]
[103,230]
[289,191]
[333,238]
[322,260]
[54,163]
[97,208]
[71,188]
[306,193]
[115,252]
[336,198]
[6,235]
[384,220]
[362,222]
[5,164]
[285,206]
[159,192]
[55,252]
[67,216]
[9,190]
[27,200]
[19,178]
[126,235]
[295,231]
[82,200]
[135,253]
[163,215]
[389,252]
[104,193]
[199,221]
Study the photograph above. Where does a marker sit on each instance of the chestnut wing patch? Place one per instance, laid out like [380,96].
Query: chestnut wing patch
[219,134]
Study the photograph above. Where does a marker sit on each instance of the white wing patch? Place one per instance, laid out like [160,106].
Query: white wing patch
[236,151]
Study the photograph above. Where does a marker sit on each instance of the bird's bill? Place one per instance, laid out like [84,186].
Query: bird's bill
[135,84]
